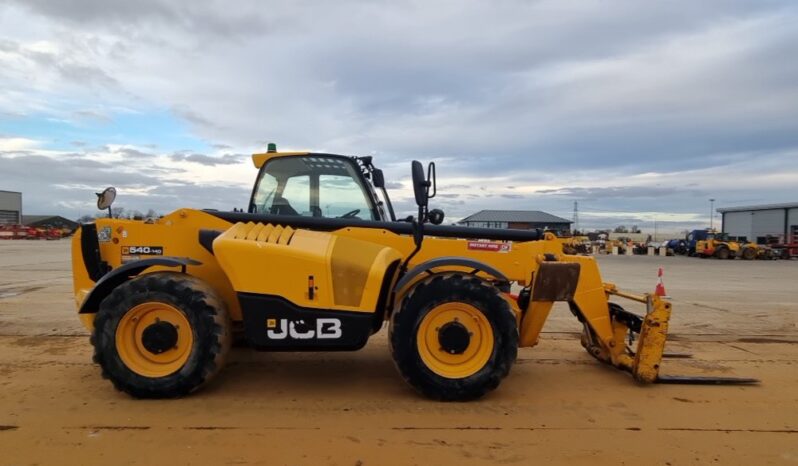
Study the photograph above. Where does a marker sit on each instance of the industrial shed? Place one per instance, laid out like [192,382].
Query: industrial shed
[755,223]
[49,221]
[517,219]
[10,208]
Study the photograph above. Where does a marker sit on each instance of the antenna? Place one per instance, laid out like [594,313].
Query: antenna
[576,216]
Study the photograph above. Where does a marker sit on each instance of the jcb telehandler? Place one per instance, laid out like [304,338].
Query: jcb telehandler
[318,263]
[719,245]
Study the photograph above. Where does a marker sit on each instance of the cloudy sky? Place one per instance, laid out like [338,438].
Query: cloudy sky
[640,111]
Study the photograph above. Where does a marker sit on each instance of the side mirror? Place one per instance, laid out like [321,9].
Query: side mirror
[378,178]
[106,198]
[420,184]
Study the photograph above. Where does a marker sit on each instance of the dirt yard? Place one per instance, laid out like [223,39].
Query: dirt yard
[558,405]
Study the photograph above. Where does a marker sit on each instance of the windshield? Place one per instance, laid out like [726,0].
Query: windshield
[312,186]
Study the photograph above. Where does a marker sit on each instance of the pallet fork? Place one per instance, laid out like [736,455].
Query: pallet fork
[651,332]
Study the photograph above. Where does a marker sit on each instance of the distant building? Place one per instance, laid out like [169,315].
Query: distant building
[10,208]
[757,222]
[48,221]
[517,219]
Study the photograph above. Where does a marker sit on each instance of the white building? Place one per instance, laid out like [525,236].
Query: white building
[757,222]
[10,207]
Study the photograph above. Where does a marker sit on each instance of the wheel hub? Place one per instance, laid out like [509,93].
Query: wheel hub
[454,337]
[159,337]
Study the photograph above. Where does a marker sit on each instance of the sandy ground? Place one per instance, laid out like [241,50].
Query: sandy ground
[558,405]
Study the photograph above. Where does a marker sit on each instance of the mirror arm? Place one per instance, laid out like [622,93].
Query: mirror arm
[431,180]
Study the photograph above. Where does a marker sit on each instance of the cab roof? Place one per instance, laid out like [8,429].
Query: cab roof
[261,158]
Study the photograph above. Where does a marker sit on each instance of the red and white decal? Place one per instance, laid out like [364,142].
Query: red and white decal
[487,246]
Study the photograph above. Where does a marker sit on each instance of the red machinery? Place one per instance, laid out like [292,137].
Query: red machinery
[23,232]
[789,248]
[14,232]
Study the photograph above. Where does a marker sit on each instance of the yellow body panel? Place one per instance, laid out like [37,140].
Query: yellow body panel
[346,273]
[178,235]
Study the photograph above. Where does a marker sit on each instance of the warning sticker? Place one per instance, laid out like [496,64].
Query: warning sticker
[487,246]
[104,235]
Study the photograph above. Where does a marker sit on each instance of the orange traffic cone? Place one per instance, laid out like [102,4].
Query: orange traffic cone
[660,289]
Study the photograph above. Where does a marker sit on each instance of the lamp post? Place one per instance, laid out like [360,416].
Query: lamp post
[712,214]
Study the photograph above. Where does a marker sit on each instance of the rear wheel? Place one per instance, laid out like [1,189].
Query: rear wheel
[454,337]
[161,335]
[722,253]
[749,254]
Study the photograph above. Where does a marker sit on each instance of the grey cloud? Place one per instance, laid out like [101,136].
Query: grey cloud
[618,192]
[64,182]
[218,20]
[195,118]
[86,74]
[67,65]
[201,196]
[93,115]
[67,186]
[133,153]
[202,159]
[72,171]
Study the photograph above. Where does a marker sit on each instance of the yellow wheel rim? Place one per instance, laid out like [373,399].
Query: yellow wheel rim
[130,346]
[470,360]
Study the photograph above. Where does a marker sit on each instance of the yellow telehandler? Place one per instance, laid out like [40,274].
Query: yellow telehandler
[719,245]
[318,263]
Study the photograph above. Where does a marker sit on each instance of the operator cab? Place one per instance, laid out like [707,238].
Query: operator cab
[318,185]
[330,186]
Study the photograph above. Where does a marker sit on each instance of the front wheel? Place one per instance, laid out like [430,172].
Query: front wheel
[161,335]
[454,337]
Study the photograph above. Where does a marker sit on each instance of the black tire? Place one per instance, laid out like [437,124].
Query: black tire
[442,289]
[722,253]
[748,254]
[205,312]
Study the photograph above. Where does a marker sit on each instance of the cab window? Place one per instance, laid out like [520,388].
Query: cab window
[313,186]
[296,195]
[342,196]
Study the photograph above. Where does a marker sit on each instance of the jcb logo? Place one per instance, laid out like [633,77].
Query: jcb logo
[280,329]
